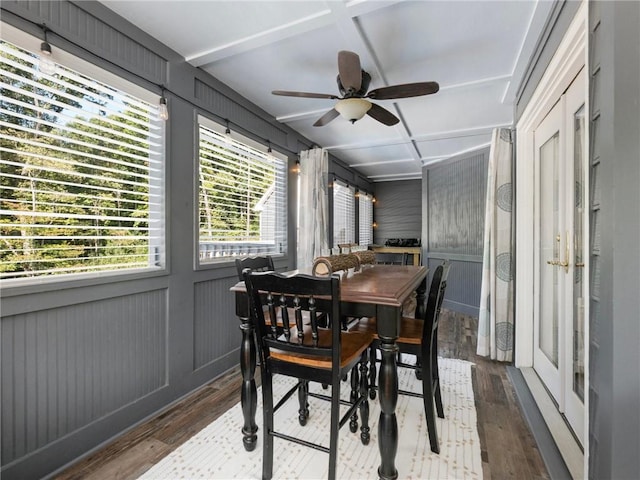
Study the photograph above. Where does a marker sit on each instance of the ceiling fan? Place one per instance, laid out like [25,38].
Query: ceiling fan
[353,83]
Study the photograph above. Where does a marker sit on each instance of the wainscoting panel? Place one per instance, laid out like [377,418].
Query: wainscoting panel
[64,368]
[216,326]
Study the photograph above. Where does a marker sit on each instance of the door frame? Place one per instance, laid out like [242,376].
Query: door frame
[570,57]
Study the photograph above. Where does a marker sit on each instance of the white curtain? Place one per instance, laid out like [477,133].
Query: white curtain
[495,323]
[314,205]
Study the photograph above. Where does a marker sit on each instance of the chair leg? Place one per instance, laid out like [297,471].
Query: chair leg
[435,376]
[427,399]
[303,399]
[372,372]
[267,437]
[355,388]
[335,429]
[438,398]
[365,436]
[418,370]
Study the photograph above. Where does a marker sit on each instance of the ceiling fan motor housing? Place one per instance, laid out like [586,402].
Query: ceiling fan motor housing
[364,87]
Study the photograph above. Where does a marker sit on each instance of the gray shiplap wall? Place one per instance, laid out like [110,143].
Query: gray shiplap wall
[614,321]
[398,210]
[84,361]
[454,196]
[614,152]
[595,329]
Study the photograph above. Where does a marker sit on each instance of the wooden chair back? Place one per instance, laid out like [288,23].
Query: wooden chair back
[275,296]
[392,258]
[432,310]
[256,264]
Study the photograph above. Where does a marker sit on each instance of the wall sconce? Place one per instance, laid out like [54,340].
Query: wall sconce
[374,224]
[163,111]
[46,64]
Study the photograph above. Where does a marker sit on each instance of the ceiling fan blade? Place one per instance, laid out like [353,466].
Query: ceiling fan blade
[404,91]
[382,115]
[349,70]
[326,118]
[304,94]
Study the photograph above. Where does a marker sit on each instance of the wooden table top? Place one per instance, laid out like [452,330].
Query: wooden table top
[375,284]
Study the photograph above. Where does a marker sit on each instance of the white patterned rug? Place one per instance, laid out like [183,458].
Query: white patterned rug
[216,452]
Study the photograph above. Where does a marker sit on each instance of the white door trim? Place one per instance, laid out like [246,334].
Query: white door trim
[570,57]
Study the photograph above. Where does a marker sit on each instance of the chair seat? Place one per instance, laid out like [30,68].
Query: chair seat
[353,345]
[410,329]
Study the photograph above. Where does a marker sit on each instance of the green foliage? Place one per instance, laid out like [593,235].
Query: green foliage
[63,195]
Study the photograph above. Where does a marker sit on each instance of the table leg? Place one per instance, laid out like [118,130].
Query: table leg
[249,396]
[388,425]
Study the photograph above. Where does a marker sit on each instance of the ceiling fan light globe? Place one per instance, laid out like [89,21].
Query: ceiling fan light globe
[353,109]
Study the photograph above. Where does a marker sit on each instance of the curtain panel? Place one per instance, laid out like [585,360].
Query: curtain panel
[314,206]
[496,317]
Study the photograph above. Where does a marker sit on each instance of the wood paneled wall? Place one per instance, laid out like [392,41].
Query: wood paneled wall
[83,361]
[454,196]
[398,210]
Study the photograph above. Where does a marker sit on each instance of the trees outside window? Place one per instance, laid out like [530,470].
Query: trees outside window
[82,173]
[242,196]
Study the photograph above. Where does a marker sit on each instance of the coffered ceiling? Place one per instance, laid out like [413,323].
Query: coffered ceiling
[476,50]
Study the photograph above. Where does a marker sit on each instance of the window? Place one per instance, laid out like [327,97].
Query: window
[242,197]
[81,185]
[343,214]
[365,219]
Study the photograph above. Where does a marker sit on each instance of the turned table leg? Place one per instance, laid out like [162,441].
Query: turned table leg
[388,425]
[249,397]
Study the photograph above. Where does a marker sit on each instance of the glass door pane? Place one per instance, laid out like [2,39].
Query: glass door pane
[578,241]
[549,248]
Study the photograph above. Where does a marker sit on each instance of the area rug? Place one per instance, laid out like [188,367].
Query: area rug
[216,452]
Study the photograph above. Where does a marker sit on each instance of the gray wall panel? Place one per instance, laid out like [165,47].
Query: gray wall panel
[107,365]
[463,284]
[398,210]
[614,388]
[216,326]
[67,367]
[456,205]
[454,196]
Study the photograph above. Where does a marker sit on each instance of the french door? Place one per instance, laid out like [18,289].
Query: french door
[559,315]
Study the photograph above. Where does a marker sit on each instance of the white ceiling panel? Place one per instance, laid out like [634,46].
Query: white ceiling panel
[476,50]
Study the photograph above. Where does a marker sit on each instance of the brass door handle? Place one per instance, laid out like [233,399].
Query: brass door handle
[565,264]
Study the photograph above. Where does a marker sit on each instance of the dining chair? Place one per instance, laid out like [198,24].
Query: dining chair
[256,264]
[309,353]
[419,337]
[392,258]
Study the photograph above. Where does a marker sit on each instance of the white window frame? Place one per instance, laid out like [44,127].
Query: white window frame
[365,219]
[213,251]
[156,218]
[344,214]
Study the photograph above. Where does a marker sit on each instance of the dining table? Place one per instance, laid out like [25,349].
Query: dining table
[372,291]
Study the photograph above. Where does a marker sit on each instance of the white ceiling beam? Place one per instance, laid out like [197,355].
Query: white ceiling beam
[287,30]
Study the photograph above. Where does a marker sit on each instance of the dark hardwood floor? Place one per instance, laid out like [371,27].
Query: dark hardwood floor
[507,446]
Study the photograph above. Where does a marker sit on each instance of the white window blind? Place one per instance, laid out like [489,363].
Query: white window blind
[343,214]
[242,198]
[82,173]
[365,219]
